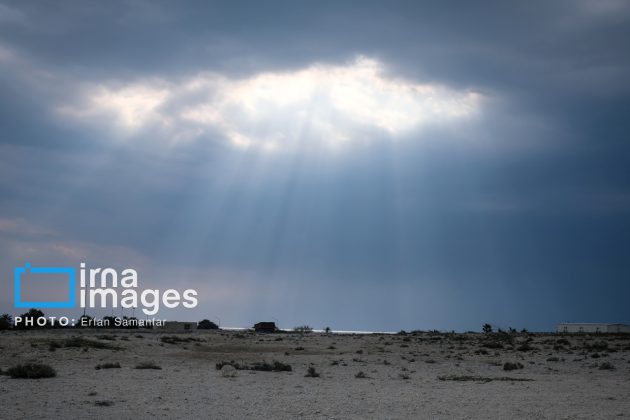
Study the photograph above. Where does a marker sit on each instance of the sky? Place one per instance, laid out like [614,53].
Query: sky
[363,165]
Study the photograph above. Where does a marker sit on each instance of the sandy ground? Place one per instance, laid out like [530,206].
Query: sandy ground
[408,376]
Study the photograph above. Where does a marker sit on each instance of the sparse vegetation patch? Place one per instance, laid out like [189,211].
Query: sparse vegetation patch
[173,339]
[512,366]
[31,371]
[108,365]
[484,379]
[275,366]
[311,372]
[80,342]
[147,365]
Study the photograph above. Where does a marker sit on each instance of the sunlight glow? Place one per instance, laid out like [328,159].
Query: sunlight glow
[320,105]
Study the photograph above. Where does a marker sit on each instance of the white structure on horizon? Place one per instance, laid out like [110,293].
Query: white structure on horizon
[587,327]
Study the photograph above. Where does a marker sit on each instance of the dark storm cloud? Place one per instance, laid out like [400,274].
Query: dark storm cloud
[520,212]
[492,43]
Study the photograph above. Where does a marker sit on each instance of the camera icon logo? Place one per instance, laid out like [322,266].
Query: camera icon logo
[18,277]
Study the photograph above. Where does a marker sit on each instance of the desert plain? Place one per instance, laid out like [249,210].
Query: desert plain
[220,374]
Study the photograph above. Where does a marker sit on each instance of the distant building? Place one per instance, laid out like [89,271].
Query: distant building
[176,326]
[267,327]
[570,327]
[206,324]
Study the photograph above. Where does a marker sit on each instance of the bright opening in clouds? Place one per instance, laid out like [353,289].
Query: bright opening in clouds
[327,105]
